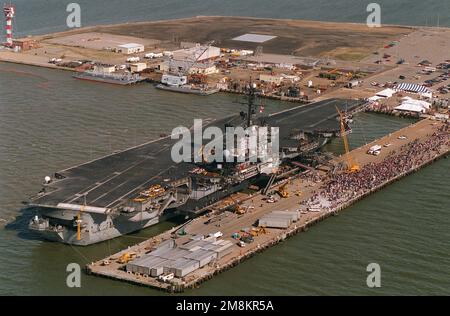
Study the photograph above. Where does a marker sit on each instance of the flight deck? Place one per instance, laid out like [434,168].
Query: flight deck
[108,180]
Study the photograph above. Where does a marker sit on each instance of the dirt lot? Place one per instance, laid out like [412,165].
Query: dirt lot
[99,41]
[306,38]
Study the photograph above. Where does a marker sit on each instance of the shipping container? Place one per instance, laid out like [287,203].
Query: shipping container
[293,215]
[194,243]
[224,249]
[202,256]
[275,222]
[173,254]
[183,266]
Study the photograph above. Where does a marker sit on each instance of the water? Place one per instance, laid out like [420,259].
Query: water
[49,121]
[44,16]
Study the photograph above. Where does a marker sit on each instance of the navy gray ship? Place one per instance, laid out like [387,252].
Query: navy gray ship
[133,189]
[105,77]
[187,89]
[179,83]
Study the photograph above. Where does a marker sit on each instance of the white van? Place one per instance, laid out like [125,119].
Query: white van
[166,277]
[372,150]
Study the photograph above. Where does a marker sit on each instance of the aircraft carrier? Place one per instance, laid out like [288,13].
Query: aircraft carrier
[141,186]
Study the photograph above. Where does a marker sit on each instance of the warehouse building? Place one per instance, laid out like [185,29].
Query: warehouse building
[138,67]
[183,66]
[105,68]
[271,78]
[198,53]
[182,260]
[130,48]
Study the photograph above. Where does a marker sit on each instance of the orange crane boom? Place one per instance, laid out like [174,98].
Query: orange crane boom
[352,167]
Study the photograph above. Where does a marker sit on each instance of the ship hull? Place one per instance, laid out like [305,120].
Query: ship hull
[107,193]
[108,228]
[186,90]
[105,80]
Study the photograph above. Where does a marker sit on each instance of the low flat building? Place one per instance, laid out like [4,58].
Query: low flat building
[203,69]
[130,48]
[271,78]
[105,68]
[138,67]
[198,53]
[25,44]
[183,66]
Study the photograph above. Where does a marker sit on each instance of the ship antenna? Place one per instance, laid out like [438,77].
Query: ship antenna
[251,102]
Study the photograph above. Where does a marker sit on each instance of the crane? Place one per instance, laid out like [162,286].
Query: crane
[351,166]
[79,222]
[185,71]
[179,77]
[282,190]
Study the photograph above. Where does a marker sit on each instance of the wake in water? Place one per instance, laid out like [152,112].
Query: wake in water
[43,83]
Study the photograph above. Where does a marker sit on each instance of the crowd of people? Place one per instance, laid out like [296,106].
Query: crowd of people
[346,186]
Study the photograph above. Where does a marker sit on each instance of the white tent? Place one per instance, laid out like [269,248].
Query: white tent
[412,87]
[386,93]
[411,105]
[375,98]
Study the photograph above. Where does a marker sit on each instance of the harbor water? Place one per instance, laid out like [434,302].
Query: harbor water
[45,16]
[50,121]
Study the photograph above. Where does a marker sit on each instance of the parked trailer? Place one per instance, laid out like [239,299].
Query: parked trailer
[275,222]
[183,266]
[293,215]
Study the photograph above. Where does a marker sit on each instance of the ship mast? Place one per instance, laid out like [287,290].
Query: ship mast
[251,103]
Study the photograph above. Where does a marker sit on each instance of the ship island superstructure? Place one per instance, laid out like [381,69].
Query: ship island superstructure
[133,189]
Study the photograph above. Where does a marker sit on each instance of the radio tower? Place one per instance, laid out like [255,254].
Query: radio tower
[9,12]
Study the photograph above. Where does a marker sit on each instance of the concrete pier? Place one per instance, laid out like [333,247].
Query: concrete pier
[424,132]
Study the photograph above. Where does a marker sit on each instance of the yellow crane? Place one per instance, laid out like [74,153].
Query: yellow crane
[79,222]
[282,190]
[126,257]
[351,166]
[333,71]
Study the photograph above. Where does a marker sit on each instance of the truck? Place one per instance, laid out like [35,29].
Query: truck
[216,235]
[153,55]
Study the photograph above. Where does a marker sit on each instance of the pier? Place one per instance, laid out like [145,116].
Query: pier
[418,144]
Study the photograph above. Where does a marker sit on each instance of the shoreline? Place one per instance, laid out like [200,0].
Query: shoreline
[111,28]
[193,18]
[343,48]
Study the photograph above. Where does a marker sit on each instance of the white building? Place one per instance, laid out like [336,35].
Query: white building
[204,69]
[411,105]
[105,68]
[271,78]
[130,48]
[290,78]
[138,67]
[199,53]
[181,66]
[386,93]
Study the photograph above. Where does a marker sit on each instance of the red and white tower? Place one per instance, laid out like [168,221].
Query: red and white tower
[9,12]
